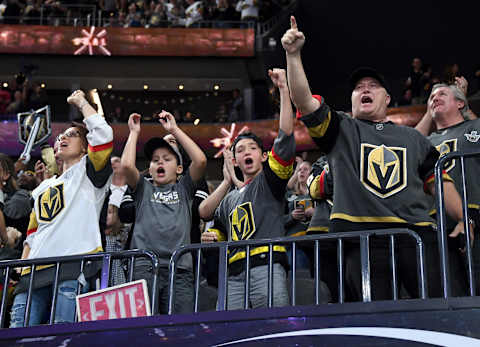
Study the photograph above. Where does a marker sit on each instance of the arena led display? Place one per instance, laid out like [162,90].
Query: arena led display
[38,39]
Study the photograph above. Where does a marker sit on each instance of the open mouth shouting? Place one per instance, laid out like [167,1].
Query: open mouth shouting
[248,162]
[366,99]
[161,172]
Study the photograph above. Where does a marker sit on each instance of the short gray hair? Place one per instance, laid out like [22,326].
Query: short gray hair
[458,94]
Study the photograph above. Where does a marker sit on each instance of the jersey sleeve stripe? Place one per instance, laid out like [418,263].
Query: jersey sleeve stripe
[317,190]
[284,172]
[32,224]
[320,130]
[100,147]
[431,178]
[280,160]
[100,156]
[318,97]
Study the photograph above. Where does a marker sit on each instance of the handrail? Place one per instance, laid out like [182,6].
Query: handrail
[224,247]
[57,261]
[442,221]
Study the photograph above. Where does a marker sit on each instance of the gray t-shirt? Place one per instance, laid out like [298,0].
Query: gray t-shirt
[163,218]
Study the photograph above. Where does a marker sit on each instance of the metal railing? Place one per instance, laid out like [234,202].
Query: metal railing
[106,259]
[363,236]
[442,220]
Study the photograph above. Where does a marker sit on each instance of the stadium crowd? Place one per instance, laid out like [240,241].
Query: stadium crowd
[264,194]
[140,13]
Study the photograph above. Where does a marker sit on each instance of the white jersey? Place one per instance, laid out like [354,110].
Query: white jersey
[66,211]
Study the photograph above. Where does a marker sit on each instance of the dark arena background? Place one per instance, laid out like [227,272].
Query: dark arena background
[208,67]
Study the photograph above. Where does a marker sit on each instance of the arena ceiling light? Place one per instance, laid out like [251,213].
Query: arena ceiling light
[43,85]
[181,86]
[196,121]
[216,87]
[145,86]
[109,86]
[5,85]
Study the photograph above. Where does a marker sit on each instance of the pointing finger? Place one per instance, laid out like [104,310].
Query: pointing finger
[293,22]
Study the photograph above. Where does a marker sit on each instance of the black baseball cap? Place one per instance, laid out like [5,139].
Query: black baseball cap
[362,72]
[158,142]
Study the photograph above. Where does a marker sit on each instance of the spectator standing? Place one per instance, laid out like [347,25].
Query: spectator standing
[254,211]
[163,198]
[64,219]
[237,108]
[193,13]
[249,10]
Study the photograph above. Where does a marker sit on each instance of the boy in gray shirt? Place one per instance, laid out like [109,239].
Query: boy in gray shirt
[163,206]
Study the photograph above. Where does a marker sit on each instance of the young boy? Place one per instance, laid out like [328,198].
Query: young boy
[255,210]
[163,206]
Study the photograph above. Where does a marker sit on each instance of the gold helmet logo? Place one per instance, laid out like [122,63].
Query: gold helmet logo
[242,222]
[51,203]
[446,147]
[383,169]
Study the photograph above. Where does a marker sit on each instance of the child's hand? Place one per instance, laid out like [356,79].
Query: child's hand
[168,121]
[278,77]
[226,171]
[134,123]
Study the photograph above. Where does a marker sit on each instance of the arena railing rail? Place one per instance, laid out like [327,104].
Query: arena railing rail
[461,156]
[7,266]
[364,237]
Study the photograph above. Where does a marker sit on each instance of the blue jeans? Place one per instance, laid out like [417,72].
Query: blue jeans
[40,305]
[258,295]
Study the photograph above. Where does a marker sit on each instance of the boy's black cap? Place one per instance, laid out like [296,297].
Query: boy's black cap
[158,142]
[362,72]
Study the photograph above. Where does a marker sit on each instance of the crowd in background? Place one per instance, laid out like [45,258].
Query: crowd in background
[139,13]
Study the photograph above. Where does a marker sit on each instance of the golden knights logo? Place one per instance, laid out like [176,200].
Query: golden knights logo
[446,147]
[51,203]
[242,223]
[383,170]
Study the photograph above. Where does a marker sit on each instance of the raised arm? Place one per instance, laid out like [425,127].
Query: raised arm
[453,207]
[293,41]
[426,124]
[79,100]
[279,79]
[129,155]
[207,207]
[199,160]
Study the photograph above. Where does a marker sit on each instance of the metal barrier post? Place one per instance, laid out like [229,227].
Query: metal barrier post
[270,275]
[294,273]
[341,292]
[55,294]
[247,278]
[442,242]
[393,265]
[197,278]
[316,268]
[26,317]
[3,308]
[468,244]
[365,261]
[106,266]
[222,277]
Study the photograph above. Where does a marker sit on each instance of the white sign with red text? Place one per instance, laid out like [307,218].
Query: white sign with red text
[123,301]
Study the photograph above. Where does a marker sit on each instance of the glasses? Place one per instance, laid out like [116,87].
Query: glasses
[69,134]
